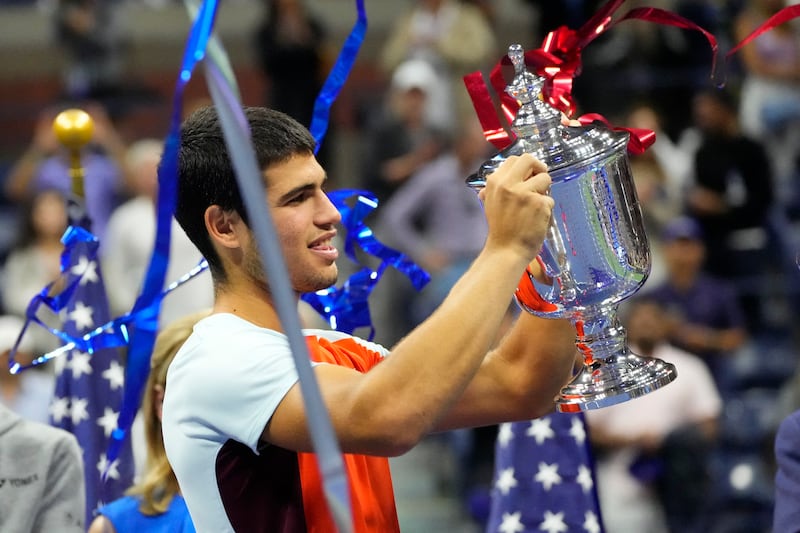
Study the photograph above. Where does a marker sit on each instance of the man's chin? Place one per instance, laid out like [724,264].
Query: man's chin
[322,283]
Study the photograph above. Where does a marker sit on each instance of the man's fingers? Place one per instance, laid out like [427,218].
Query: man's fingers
[540,183]
[520,168]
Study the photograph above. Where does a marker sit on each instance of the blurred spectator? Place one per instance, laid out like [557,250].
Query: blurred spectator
[787,479]
[289,46]
[659,175]
[704,314]
[42,472]
[652,452]
[550,16]
[155,503]
[89,33]
[402,138]
[731,196]
[45,165]
[130,239]
[436,219]
[35,259]
[27,393]
[455,38]
[770,103]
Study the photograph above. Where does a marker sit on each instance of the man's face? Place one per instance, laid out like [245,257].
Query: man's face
[305,222]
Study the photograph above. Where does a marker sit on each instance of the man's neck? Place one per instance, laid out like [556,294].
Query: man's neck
[251,305]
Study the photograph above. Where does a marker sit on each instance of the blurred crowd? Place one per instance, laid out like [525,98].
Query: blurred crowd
[719,191]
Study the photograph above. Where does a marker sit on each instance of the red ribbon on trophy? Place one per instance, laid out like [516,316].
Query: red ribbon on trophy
[558,61]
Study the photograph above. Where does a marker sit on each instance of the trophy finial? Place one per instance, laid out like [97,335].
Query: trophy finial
[517,56]
[526,88]
[73,128]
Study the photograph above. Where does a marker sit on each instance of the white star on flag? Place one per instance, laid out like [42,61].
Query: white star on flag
[102,465]
[548,475]
[86,269]
[584,478]
[506,481]
[79,410]
[79,364]
[591,524]
[540,430]
[553,523]
[108,421]
[504,434]
[81,315]
[511,523]
[578,431]
[59,409]
[115,375]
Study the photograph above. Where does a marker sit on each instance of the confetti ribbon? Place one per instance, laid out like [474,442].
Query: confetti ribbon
[57,295]
[558,61]
[112,334]
[346,308]
[144,315]
[338,75]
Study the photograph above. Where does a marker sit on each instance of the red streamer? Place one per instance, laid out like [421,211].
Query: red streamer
[493,130]
[784,15]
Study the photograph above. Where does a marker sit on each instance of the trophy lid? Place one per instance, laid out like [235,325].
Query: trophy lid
[540,132]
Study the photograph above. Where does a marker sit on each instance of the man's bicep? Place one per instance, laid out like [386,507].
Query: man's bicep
[288,426]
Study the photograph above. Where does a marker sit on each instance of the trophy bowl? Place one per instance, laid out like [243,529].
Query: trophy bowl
[596,252]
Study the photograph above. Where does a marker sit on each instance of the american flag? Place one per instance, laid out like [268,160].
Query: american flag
[544,478]
[88,391]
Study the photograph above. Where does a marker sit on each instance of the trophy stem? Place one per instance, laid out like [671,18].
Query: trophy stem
[611,373]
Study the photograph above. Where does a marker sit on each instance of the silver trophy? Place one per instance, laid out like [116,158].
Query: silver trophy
[596,252]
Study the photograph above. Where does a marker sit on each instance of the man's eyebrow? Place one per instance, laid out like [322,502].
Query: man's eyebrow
[301,188]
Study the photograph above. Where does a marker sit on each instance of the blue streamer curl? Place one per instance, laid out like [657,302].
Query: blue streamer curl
[346,308]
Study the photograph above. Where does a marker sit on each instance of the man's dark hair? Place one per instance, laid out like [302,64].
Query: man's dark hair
[205,172]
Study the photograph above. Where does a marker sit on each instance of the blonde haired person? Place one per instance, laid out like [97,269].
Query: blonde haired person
[154,504]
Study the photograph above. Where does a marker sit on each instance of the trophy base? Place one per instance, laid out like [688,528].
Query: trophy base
[614,380]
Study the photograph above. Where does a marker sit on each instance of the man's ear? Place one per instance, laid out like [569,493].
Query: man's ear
[221,224]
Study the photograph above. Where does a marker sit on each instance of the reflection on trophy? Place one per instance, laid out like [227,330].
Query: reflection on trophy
[596,252]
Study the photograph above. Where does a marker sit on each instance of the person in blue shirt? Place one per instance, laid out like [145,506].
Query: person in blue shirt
[786,518]
[154,504]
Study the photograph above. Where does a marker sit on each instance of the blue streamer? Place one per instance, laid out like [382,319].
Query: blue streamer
[346,308]
[57,295]
[338,75]
[146,309]
[112,334]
